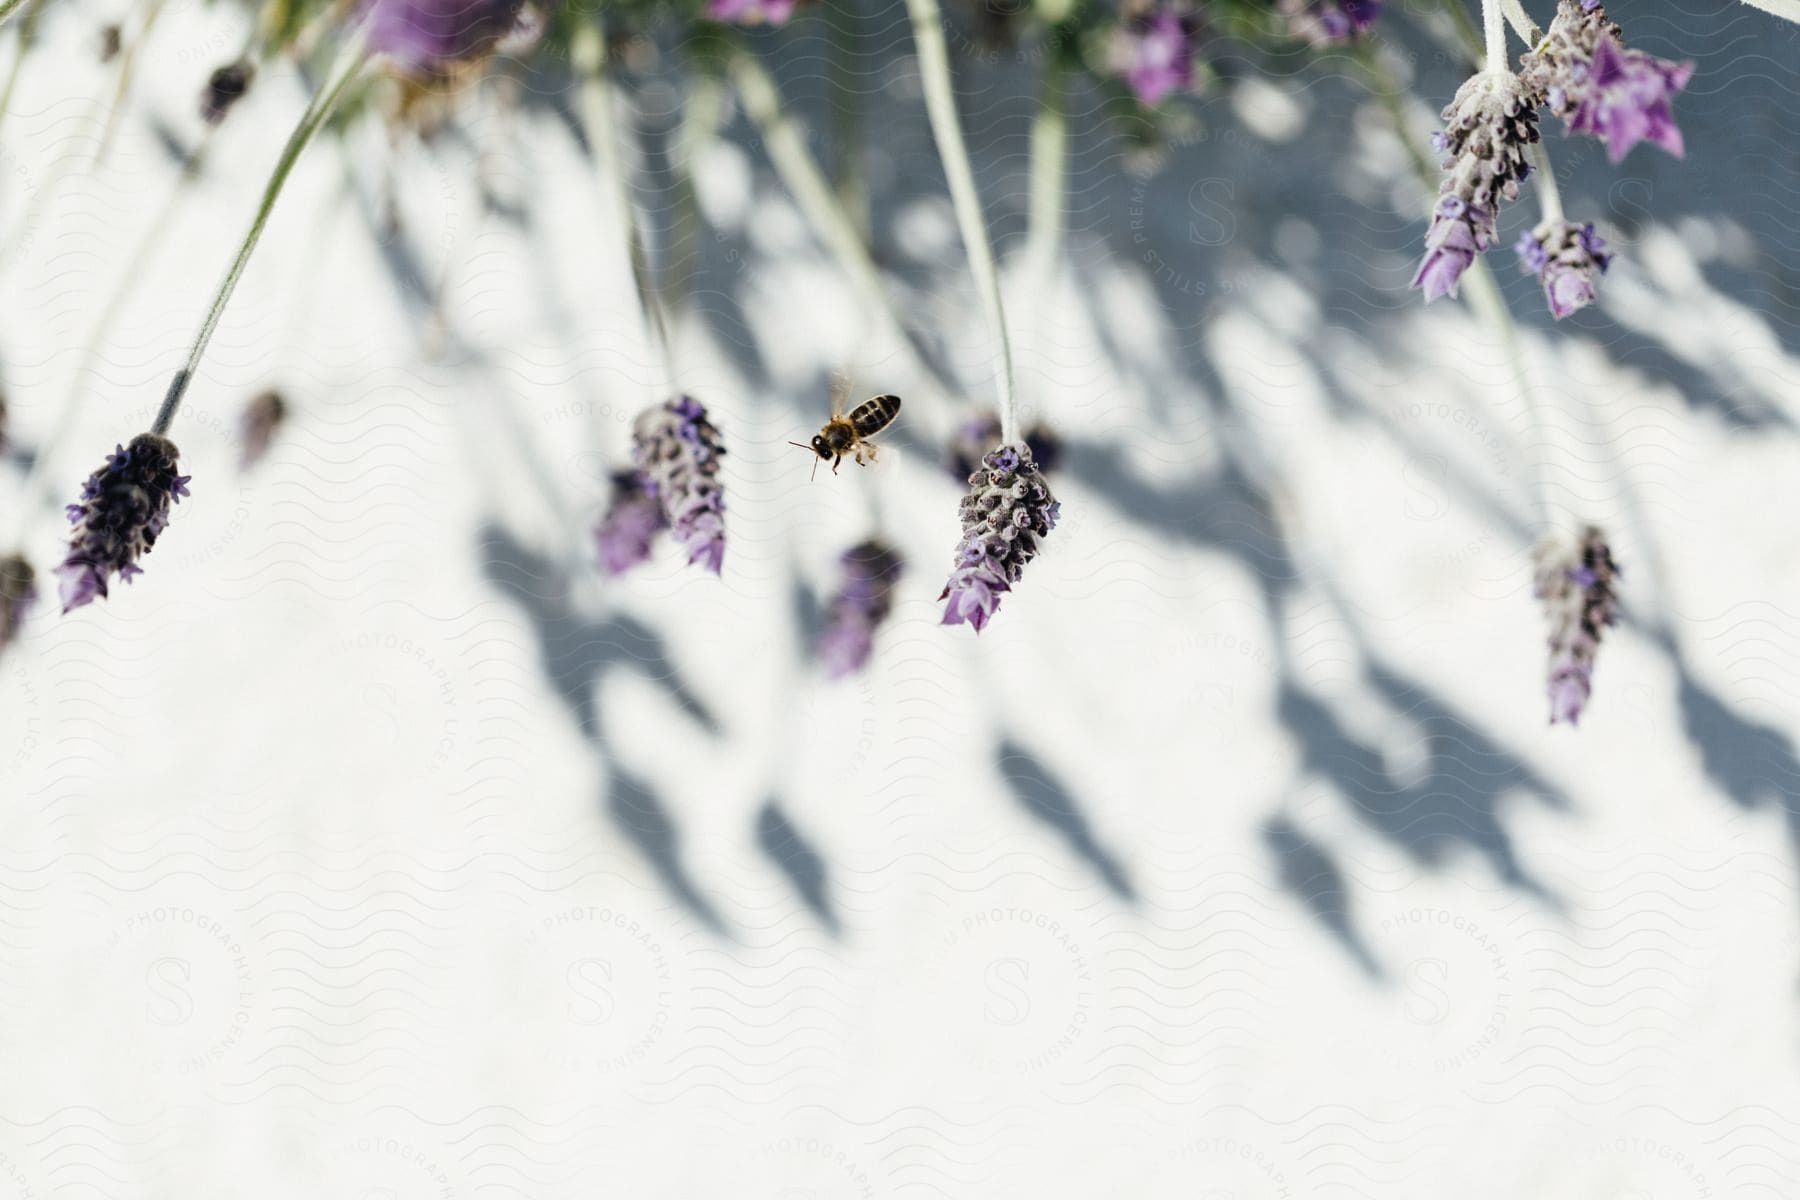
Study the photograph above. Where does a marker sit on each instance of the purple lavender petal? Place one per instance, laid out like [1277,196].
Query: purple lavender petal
[124,508]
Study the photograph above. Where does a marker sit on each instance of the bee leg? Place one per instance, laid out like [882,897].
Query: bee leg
[836,459]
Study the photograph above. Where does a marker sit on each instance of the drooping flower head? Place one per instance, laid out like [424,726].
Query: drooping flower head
[124,508]
[257,424]
[224,88]
[871,569]
[1330,22]
[1486,129]
[1566,258]
[1583,71]
[750,12]
[430,37]
[1153,48]
[974,437]
[1008,508]
[628,531]
[1575,583]
[18,593]
[677,453]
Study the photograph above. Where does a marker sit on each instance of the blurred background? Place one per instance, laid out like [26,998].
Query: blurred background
[372,845]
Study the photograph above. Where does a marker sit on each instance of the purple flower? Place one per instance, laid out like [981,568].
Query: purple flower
[628,530]
[871,570]
[1587,77]
[677,453]
[1330,22]
[124,508]
[429,37]
[1153,48]
[1007,510]
[1486,129]
[257,424]
[224,88]
[1565,257]
[1576,587]
[750,12]
[18,593]
[973,437]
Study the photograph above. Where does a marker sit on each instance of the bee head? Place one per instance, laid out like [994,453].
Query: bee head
[821,447]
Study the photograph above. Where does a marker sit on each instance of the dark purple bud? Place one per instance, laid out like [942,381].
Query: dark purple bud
[225,88]
[257,425]
[124,508]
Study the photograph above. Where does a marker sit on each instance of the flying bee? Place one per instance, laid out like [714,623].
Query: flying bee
[850,434]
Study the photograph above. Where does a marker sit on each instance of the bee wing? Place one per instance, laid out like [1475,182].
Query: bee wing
[840,392]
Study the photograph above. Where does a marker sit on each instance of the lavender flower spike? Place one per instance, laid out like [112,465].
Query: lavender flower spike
[1576,587]
[1330,22]
[1153,48]
[257,425]
[677,453]
[1486,129]
[871,569]
[1565,257]
[628,530]
[1007,510]
[18,593]
[124,508]
[750,12]
[1587,77]
[432,37]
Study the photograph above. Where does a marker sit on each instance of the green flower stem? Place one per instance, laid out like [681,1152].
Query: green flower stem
[940,105]
[7,8]
[600,118]
[1493,25]
[347,71]
[1047,216]
[846,114]
[1522,24]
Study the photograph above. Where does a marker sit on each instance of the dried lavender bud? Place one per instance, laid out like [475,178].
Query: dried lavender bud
[1576,586]
[18,593]
[628,530]
[1153,48]
[430,37]
[871,570]
[1565,257]
[1486,129]
[974,436]
[224,88]
[1587,77]
[750,12]
[124,508]
[677,453]
[257,425]
[1007,510]
[1330,22]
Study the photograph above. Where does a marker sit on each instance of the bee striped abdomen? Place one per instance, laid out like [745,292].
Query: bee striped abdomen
[872,416]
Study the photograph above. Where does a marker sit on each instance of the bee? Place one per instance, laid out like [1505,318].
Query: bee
[850,434]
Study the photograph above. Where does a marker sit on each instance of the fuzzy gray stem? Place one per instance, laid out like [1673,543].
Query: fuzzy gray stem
[940,105]
[348,70]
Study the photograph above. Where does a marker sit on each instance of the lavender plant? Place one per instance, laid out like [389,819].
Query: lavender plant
[1565,257]
[1587,77]
[123,509]
[871,573]
[1575,584]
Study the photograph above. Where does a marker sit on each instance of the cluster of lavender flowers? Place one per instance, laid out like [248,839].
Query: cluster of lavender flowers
[1586,76]
[1007,509]
[1575,584]
[1583,73]
[1153,48]
[1565,257]
[871,572]
[1486,129]
[1330,22]
[674,485]
[124,508]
